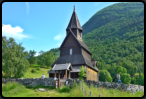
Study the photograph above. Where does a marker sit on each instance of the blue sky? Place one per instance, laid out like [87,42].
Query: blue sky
[42,25]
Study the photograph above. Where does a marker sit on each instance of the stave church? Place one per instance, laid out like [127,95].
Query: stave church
[74,54]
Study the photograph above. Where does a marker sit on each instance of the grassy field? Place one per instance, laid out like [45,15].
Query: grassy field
[38,73]
[13,89]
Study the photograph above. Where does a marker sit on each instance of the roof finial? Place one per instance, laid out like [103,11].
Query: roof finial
[74,7]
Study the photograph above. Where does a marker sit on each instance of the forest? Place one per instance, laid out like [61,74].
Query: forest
[114,35]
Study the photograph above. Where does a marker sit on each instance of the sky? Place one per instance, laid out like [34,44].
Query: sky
[42,25]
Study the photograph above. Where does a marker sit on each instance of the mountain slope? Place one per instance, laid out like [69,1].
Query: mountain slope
[115,34]
[121,11]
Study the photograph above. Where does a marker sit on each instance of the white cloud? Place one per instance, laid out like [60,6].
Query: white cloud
[14,32]
[37,54]
[59,44]
[96,3]
[27,7]
[58,37]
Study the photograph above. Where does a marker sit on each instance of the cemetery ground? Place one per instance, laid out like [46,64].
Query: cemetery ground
[13,89]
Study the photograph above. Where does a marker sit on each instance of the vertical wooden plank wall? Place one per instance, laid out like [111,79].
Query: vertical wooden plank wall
[91,74]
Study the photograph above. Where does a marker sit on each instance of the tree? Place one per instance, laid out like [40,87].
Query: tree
[100,65]
[41,60]
[49,59]
[112,70]
[108,79]
[14,62]
[130,66]
[46,58]
[138,80]
[139,67]
[82,73]
[125,78]
[31,58]
[105,76]
[121,69]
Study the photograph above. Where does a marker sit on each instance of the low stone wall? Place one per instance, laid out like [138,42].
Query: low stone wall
[32,81]
[50,82]
[127,87]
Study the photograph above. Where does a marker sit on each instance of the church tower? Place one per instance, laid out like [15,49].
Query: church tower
[75,52]
[75,26]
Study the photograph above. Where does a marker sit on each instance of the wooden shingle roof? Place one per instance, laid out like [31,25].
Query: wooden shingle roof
[81,43]
[74,22]
[62,66]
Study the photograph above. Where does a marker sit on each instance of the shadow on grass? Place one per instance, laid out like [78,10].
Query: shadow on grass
[67,88]
[40,86]
[64,89]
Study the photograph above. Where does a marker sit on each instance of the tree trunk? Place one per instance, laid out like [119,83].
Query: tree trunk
[132,75]
[139,74]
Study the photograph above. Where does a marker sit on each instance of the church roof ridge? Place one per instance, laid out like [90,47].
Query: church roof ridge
[81,42]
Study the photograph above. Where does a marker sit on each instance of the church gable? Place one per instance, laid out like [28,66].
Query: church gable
[70,41]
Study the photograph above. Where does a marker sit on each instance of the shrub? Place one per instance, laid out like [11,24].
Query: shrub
[139,81]
[33,70]
[82,73]
[121,69]
[38,68]
[11,85]
[108,79]
[105,76]
[125,78]
[64,89]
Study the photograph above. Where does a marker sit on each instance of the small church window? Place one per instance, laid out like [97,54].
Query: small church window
[71,51]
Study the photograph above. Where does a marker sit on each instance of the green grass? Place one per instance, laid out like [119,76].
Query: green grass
[13,89]
[39,71]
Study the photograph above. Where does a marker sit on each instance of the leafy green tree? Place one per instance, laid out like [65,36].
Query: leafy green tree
[46,58]
[112,70]
[105,76]
[131,68]
[139,80]
[121,69]
[108,79]
[139,68]
[49,59]
[31,58]
[14,62]
[100,65]
[125,78]
[41,60]
[82,73]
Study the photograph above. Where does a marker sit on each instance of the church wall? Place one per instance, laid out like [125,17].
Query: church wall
[86,54]
[79,34]
[66,50]
[70,43]
[74,31]
[91,74]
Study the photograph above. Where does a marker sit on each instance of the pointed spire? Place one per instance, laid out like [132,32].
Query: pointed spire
[74,22]
[74,8]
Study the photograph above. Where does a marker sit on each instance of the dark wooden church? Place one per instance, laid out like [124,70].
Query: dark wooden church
[75,52]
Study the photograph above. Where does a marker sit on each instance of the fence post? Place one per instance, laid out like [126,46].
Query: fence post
[80,85]
[85,92]
[82,88]
[90,93]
